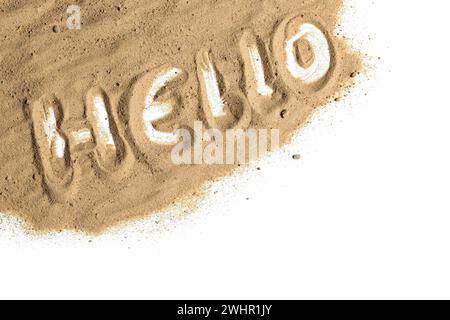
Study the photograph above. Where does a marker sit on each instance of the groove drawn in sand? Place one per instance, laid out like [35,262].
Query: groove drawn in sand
[52,145]
[304,54]
[82,136]
[222,110]
[261,87]
[110,151]
[153,98]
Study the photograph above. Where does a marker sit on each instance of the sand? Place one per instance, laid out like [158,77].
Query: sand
[76,153]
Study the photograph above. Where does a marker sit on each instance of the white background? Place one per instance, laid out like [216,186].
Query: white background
[364,214]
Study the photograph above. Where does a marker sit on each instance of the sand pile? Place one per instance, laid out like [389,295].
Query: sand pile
[88,113]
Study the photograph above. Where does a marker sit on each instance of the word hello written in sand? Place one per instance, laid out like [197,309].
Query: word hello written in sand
[222,110]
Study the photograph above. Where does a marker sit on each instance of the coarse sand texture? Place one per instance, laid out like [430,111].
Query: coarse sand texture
[89,113]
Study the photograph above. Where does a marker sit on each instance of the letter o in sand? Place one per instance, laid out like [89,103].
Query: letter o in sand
[303,54]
